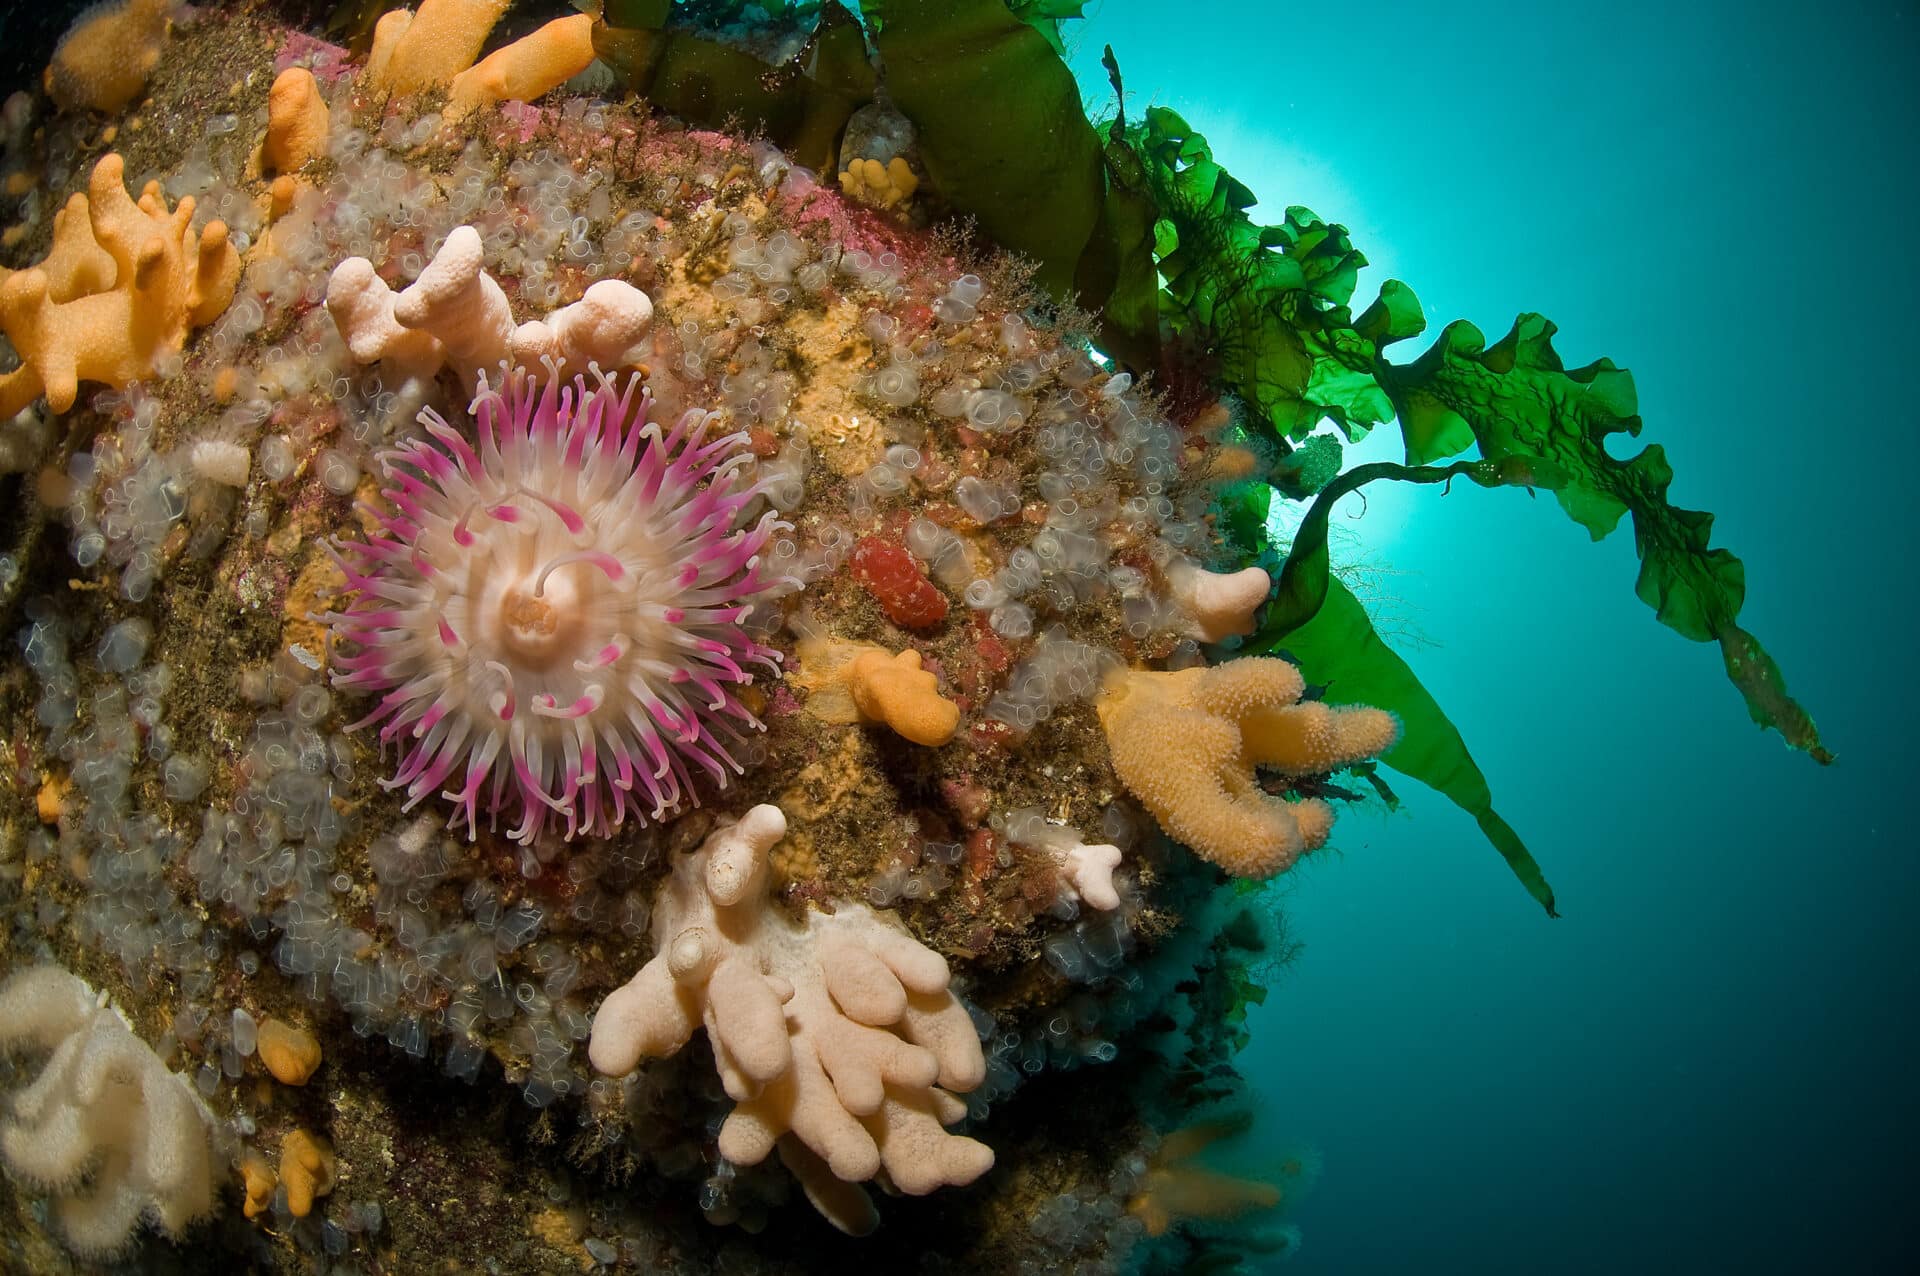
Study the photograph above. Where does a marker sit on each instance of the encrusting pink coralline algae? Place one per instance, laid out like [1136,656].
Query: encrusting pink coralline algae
[556,613]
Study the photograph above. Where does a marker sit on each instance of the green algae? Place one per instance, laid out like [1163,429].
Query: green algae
[1273,302]
[999,123]
[802,105]
[1270,305]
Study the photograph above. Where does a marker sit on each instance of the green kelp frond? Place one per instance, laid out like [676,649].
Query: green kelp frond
[1269,303]
[996,114]
[802,105]
[1000,125]
[997,118]
[1117,273]
[1526,410]
[1045,16]
[1321,625]
[351,21]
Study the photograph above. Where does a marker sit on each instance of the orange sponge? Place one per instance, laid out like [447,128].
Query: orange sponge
[861,682]
[1178,1187]
[522,71]
[258,1180]
[1187,745]
[297,122]
[291,1054]
[435,48]
[425,49]
[306,1167]
[104,59]
[165,281]
[76,265]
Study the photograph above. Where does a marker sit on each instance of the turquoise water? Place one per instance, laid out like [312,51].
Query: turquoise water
[1703,1066]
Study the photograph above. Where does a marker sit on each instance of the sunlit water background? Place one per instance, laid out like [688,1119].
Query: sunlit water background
[1706,1065]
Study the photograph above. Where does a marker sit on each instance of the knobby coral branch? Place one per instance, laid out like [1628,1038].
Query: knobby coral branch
[836,1035]
[1187,744]
[116,327]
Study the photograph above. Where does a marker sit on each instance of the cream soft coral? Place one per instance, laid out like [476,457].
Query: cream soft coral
[456,313]
[836,1035]
[1187,744]
[605,326]
[362,308]
[460,304]
[104,1127]
[1216,605]
[1086,869]
[165,281]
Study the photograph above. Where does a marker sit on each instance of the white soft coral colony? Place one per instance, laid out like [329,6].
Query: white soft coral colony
[104,1127]
[837,1037]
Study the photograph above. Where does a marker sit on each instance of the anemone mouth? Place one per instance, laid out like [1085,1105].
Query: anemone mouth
[552,614]
[539,625]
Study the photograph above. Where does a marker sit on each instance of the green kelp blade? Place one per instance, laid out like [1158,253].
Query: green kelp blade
[1045,16]
[1268,302]
[1520,404]
[1339,647]
[840,80]
[1324,627]
[1118,264]
[998,118]
[648,15]
[352,22]
[1000,125]
[1751,669]
[1309,567]
[801,105]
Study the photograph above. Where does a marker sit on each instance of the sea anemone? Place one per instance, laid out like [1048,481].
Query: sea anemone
[559,609]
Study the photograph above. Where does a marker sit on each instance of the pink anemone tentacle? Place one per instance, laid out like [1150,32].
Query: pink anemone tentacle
[552,610]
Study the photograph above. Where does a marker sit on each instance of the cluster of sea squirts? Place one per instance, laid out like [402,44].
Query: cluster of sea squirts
[204,832]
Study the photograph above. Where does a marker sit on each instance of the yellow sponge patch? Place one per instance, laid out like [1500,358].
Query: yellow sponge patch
[884,186]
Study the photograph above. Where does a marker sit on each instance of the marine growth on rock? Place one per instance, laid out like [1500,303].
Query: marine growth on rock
[594,607]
